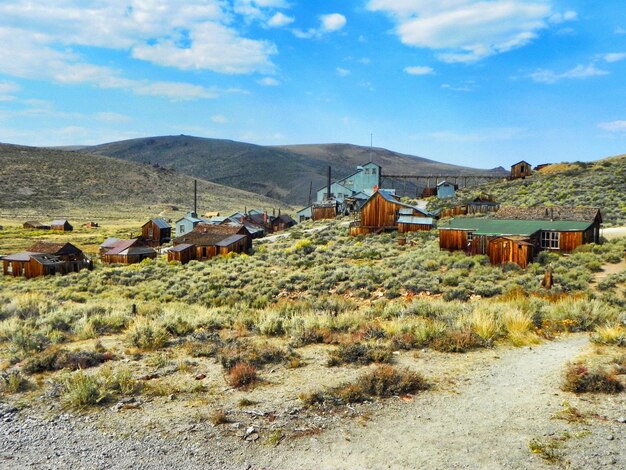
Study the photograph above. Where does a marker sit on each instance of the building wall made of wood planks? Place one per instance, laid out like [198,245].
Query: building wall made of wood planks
[453,240]
[182,256]
[521,170]
[320,213]
[404,228]
[503,250]
[378,212]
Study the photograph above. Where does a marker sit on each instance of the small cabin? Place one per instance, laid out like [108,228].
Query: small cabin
[186,224]
[61,225]
[129,252]
[182,253]
[446,190]
[384,212]
[211,240]
[46,258]
[324,210]
[35,225]
[282,222]
[521,170]
[156,232]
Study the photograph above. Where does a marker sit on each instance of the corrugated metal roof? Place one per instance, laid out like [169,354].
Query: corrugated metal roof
[181,247]
[512,227]
[160,222]
[392,199]
[110,242]
[230,240]
[409,219]
[121,246]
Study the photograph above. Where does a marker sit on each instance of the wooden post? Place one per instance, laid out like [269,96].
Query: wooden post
[547,279]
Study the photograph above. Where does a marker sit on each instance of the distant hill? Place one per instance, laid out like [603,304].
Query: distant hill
[285,173]
[46,183]
[599,184]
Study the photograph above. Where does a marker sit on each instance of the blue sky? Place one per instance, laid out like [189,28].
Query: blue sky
[479,83]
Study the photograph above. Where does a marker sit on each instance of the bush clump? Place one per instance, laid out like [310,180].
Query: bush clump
[241,375]
[579,379]
[359,353]
[458,341]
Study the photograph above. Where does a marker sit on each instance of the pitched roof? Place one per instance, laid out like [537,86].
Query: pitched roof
[60,222]
[181,247]
[521,161]
[22,256]
[208,234]
[578,214]
[160,222]
[110,242]
[390,198]
[484,226]
[230,240]
[123,247]
[53,248]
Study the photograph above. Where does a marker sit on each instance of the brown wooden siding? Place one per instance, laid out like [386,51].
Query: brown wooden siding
[453,240]
[503,250]
[124,259]
[378,212]
[404,228]
[454,211]
[182,256]
[521,170]
[569,241]
[153,235]
[320,213]
[32,268]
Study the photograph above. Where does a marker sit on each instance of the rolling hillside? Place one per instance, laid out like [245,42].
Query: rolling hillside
[284,173]
[46,183]
[599,184]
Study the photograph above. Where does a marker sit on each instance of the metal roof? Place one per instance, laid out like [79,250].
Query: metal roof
[390,198]
[160,222]
[60,222]
[121,246]
[409,219]
[110,242]
[23,256]
[512,227]
[181,247]
[230,240]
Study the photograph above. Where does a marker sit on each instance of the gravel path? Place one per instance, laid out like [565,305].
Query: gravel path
[486,423]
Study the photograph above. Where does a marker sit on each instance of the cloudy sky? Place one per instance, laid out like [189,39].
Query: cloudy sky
[474,82]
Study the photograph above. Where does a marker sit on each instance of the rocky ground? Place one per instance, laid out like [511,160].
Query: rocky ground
[483,415]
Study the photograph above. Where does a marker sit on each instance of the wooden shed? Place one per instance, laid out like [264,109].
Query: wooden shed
[156,232]
[35,224]
[212,240]
[382,212]
[521,170]
[129,252]
[182,253]
[511,249]
[46,258]
[282,222]
[62,225]
[65,251]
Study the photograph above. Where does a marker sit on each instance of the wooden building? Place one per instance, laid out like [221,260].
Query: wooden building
[324,210]
[182,253]
[212,240]
[282,222]
[62,225]
[445,190]
[35,224]
[521,170]
[156,232]
[519,239]
[383,212]
[128,252]
[46,258]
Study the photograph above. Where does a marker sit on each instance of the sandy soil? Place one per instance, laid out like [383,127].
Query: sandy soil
[484,410]
[613,232]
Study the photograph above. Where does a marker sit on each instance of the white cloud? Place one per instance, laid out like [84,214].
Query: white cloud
[332,22]
[39,39]
[465,87]
[469,30]
[328,24]
[219,119]
[419,70]
[342,72]
[9,87]
[619,30]
[365,61]
[268,81]
[579,72]
[279,20]
[112,117]
[613,126]
[614,56]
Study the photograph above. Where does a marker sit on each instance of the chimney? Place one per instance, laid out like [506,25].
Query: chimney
[195,196]
[328,193]
[264,216]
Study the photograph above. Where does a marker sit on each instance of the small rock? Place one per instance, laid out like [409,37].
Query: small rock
[610,437]
[200,376]
[252,437]
[621,419]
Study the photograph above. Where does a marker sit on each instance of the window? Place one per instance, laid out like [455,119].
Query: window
[150,232]
[181,229]
[367,171]
[470,236]
[550,240]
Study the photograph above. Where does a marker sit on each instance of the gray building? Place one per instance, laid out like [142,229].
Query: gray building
[187,223]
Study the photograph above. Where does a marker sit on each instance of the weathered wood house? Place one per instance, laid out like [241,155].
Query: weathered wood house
[35,224]
[46,258]
[182,253]
[211,240]
[324,210]
[445,190]
[521,170]
[384,212]
[62,225]
[282,222]
[128,252]
[156,232]
[518,234]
